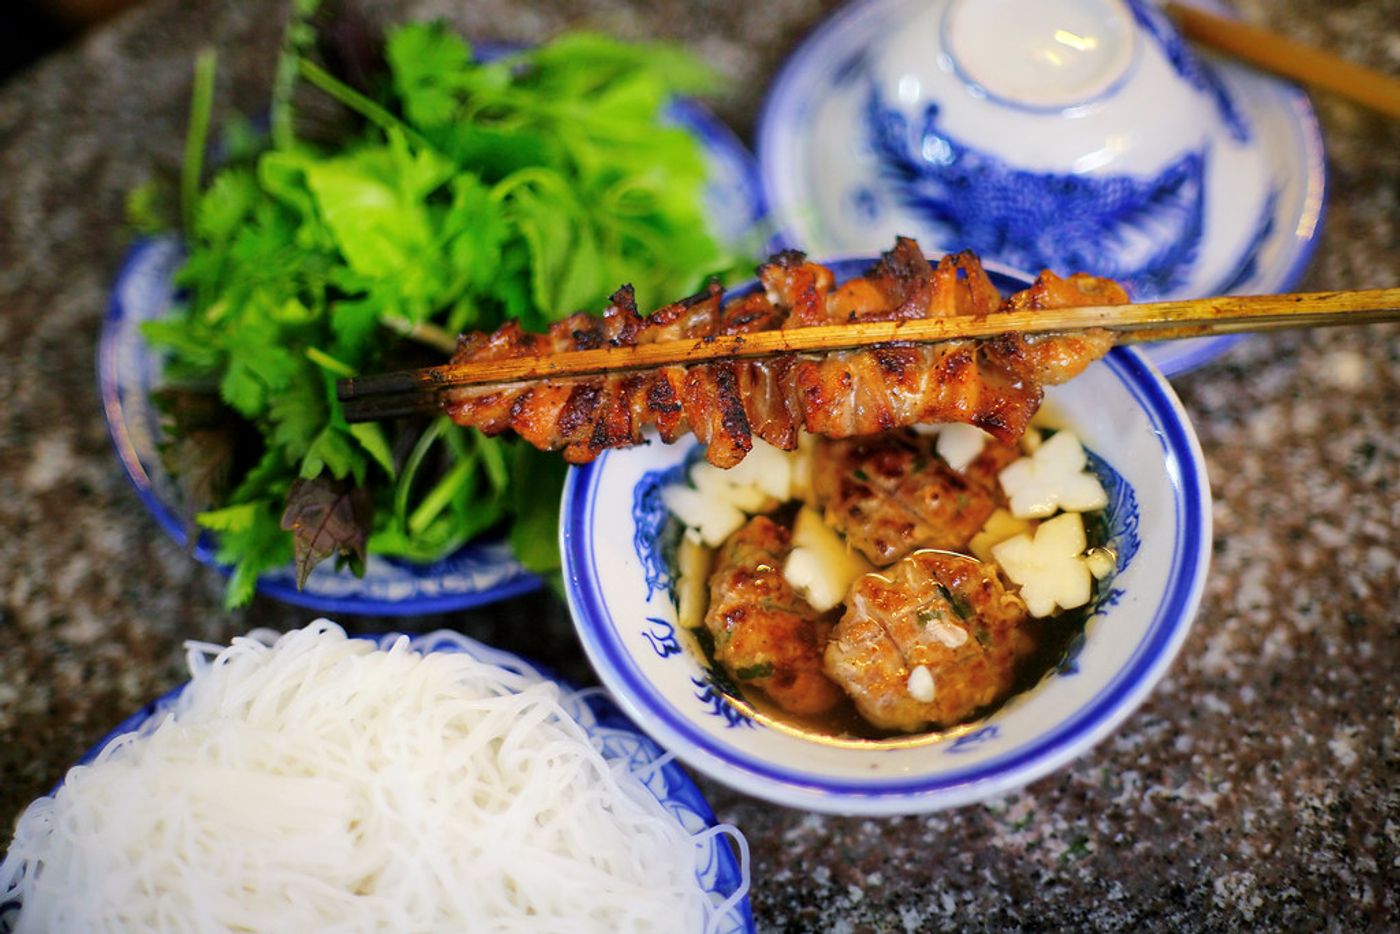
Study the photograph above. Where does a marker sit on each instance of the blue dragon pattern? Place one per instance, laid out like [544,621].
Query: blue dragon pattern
[1038,220]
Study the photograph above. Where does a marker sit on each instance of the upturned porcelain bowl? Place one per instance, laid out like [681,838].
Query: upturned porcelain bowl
[620,589]
[1073,135]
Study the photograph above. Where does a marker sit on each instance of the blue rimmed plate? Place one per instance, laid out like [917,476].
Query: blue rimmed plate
[872,129]
[616,738]
[1143,448]
[483,571]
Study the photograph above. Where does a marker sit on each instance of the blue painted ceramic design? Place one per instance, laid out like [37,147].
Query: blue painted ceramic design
[1042,220]
[483,571]
[716,703]
[615,736]
[1146,610]
[1189,66]
[1247,270]
[968,741]
[662,636]
[1124,516]
[652,519]
[1226,196]
[891,794]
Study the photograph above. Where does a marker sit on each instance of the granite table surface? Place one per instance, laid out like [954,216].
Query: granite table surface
[1258,787]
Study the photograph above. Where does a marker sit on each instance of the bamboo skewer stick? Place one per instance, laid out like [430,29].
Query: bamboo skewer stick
[407,391]
[1289,58]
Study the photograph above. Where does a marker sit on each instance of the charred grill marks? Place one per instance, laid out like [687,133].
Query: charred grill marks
[732,415]
[583,400]
[995,384]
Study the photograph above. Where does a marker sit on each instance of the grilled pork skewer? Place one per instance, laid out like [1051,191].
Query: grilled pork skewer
[994,384]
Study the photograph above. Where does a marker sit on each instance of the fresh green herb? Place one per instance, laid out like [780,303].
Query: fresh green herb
[861,475]
[201,103]
[926,616]
[754,672]
[471,193]
[956,601]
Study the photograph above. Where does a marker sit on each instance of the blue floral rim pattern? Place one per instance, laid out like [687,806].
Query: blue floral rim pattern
[1188,563]
[614,734]
[1094,719]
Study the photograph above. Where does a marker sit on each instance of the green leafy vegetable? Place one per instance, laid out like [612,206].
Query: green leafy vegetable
[470,193]
[201,102]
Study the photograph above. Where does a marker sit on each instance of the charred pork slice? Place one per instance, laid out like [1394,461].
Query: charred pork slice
[994,384]
[891,494]
[929,641]
[765,634]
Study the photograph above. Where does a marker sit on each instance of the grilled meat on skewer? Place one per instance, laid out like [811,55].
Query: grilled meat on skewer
[993,384]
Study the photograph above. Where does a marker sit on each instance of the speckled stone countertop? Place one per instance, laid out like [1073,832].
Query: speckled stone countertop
[1259,787]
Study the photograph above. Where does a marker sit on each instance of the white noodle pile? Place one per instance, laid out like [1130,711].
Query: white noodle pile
[318,783]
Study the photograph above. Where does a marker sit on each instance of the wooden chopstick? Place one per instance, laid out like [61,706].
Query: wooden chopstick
[409,391]
[1289,58]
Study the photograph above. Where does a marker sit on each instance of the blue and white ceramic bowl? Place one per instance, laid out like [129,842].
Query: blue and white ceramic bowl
[611,732]
[1074,135]
[619,589]
[481,572]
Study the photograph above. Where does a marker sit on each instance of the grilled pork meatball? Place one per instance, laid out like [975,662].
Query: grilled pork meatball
[928,641]
[765,634]
[891,494]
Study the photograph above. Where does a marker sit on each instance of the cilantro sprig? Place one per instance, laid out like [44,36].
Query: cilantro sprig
[527,187]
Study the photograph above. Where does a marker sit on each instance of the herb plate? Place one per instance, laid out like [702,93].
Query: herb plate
[481,572]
